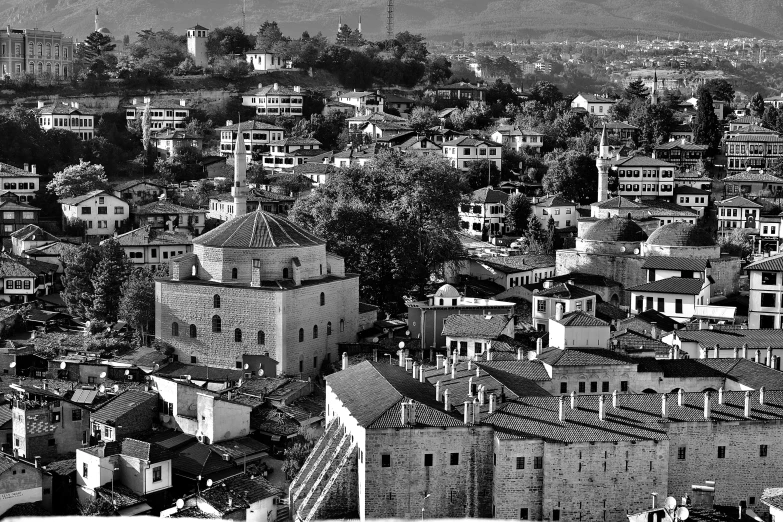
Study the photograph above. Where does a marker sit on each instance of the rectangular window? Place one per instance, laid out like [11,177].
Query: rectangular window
[85,469]
[428,460]
[605,386]
[624,386]
[678,306]
[386,460]
[555,515]
[538,462]
[769,278]
[768,299]
[523,514]
[520,462]
[76,414]
[563,387]
[763,450]
[119,210]
[541,306]
[103,210]
[157,474]
[582,387]
[454,459]
[594,387]
[661,305]
[86,210]
[721,452]
[681,453]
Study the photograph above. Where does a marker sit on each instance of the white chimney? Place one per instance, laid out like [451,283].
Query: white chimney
[470,364]
[520,354]
[707,405]
[720,395]
[345,360]
[601,408]
[147,99]
[41,104]
[761,396]
[446,366]
[478,371]
[421,373]
[547,284]
[573,400]
[717,351]
[470,387]
[680,395]
[614,399]
[489,352]
[561,410]
[34,168]
[404,413]
[539,346]
[134,101]
[401,358]
[446,402]
[467,413]
[769,356]
[229,123]
[260,85]
[408,363]
[747,404]
[275,87]
[415,373]
[664,413]
[736,352]
[453,371]
[412,413]
[491,403]
[745,351]
[758,356]
[438,361]
[183,102]
[437,391]
[559,312]
[476,412]
[455,357]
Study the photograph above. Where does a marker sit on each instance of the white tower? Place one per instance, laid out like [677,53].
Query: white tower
[603,163]
[97,24]
[239,189]
[197,44]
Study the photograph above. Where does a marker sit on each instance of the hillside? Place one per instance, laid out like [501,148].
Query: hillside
[439,19]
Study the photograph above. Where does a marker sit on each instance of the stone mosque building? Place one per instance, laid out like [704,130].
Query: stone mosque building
[626,247]
[257,285]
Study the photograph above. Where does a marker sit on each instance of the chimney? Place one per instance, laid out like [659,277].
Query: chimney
[421,373]
[703,352]
[455,357]
[717,351]
[467,412]
[470,387]
[438,361]
[147,99]
[671,352]
[539,346]
[720,395]
[680,396]
[614,399]
[482,395]
[260,85]
[437,391]
[559,312]
[412,413]
[573,400]
[654,498]
[408,363]
[183,102]
[747,404]
[761,396]
[476,412]
[769,356]
[601,408]
[758,356]
[654,331]
[742,508]
[736,352]
[404,413]
[34,168]
[16,453]
[345,360]
[229,123]
[547,284]
[134,101]
[453,371]
[560,409]
[664,413]
[37,461]
[415,372]
[446,366]
[375,354]
[745,351]
[446,402]
[489,352]
[41,104]
[275,87]
[520,354]
[707,405]
[27,167]
[470,364]
[401,358]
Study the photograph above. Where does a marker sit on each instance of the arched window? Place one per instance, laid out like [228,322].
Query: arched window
[323,299]
[237,335]
[321,269]
[192,331]
[48,50]
[40,67]
[342,325]
[261,337]
[301,335]
[234,273]
[57,50]
[31,49]
[315,332]
[174,330]
[216,301]
[40,50]
[48,68]
[65,75]
[329,328]
[216,325]
[57,70]
[285,273]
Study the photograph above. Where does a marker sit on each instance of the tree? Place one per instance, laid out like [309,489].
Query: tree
[770,117]
[756,105]
[438,70]
[78,180]
[481,173]
[571,175]
[394,221]
[269,35]
[137,304]
[738,243]
[422,118]
[706,129]
[534,235]
[223,41]
[109,277]
[654,121]
[546,93]
[517,213]
[298,450]
[549,238]
[720,90]
[408,46]
[77,279]
[636,90]
[96,56]
[501,93]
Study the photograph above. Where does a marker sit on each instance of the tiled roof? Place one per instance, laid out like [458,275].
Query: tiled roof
[372,393]
[296,141]
[675,263]
[748,373]
[63,108]
[592,98]
[753,175]
[33,233]
[80,199]
[200,373]
[55,249]
[688,190]
[173,134]
[644,161]
[243,490]
[580,318]
[554,201]
[313,168]
[681,234]
[773,263]
[461,85]
[249,125]
[142,450]
[615,229]
[615,125]
[467,141]
[171,440]
[488,195]
[730,339]
[145,236]
[609,312]
[681,144]
[26,509]
[658,208]
[737,201]
[564,291]
[513,264]
[15,205]
[161,104]
[258,230]
[671,285]
[533,370]
[134,182]
[773,497]
[166,207]
[9,171]
[475,326]
[61,467]
[756,138]
[199,459]
[631,340]
[123,404]
[583,357]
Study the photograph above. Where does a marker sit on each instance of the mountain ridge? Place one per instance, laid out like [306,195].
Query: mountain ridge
[436,19]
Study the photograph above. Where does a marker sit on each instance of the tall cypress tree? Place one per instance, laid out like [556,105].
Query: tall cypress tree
[108,277]
[78,290]
[706,130]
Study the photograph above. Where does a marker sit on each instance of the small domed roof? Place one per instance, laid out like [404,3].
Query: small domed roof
[258,229]
[615,229]
[680,234]
[104,30]
[447,291]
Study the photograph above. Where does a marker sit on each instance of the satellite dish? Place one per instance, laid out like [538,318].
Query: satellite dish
[127,372]
[531,355]
[683,513]
[247,366]
[62,365]
[670,503]
[407,333]
[636,251]
[12,365]
[401,345]
[180,503]
[375,339]
[385,330]
[102,388]
[155,367]
[260,372]
[209,483]
[622,249]
[102,375]
[116,388]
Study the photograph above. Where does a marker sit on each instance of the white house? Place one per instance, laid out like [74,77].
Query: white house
[67,116]
[577,329]
[146,246]
[262,60]
[572,298]
[737,212]
[258,501]
[484,213]
[364,101]
[528,140]
[645,178]
[139,191]
[275,99]
[562,211]
[463,151]
[694,198]
[470,335]
[164,114]
[594,105]
[765,308]
[101,212]
[676,297]
[169,142]
[510,271]
[22,182]
[257,136]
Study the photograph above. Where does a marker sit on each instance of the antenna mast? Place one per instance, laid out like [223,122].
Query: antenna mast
[390,21]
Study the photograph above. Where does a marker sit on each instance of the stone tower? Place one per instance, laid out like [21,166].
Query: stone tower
[603,163]
[197,44]
[97,20]
[654,92]
[239,189]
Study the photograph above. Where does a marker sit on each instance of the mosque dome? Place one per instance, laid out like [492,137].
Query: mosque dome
[104,30]
[615,229]
[258,229]
[680,234]
[447,291]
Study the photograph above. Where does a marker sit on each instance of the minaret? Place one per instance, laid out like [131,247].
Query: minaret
[360,24]
[97,24]
[603,164]
[654,93]
[340,25]
[239,190]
